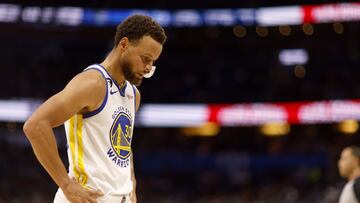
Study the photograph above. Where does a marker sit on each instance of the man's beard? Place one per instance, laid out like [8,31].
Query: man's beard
[129,75]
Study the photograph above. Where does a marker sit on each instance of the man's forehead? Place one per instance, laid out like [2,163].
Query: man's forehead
[150,56]
[151,50]
[148,47]
[148,40]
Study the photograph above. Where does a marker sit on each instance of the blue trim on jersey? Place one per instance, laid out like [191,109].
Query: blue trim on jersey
[134,97]
[93,113]
[121,90]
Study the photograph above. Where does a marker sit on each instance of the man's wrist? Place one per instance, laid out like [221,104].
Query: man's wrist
[64,183]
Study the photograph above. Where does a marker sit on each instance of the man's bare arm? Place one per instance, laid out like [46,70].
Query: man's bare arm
[85,91]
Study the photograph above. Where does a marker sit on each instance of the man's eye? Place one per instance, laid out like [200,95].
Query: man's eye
[145,60]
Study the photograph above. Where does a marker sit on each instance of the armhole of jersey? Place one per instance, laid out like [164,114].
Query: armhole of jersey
[134,88]
[93,113]
[356,189]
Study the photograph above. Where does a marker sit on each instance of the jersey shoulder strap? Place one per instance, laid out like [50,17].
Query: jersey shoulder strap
[108,80]
[99,68]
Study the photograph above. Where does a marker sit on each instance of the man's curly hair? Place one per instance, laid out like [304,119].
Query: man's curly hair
[137,26]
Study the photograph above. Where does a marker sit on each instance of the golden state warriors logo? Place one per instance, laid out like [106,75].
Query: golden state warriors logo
[120,138]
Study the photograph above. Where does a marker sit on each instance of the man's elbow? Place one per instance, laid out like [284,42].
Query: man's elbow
[29,128]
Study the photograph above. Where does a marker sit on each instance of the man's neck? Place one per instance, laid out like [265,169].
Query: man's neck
[112,65]
[355,174]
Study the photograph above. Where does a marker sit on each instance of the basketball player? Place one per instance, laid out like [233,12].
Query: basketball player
[98,107]
[349,168]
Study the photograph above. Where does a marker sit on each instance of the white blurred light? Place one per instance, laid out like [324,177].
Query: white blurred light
[101,17]
[72,16]
[224,17]
[336,12]
[47,14]
[176,115]
[286,15]
[289,57]
[9,12]
[252,114]
[162,17]
[187,18]
[246,16]
[31,14]
[196,115]
[16,110]
[326,112]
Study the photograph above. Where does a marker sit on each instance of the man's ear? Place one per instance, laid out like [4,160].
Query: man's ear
[123,43]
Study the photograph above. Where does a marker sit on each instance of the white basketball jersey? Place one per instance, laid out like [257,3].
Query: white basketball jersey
[348,194]
[100,141]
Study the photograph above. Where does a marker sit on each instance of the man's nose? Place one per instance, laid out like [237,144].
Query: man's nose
[148,68]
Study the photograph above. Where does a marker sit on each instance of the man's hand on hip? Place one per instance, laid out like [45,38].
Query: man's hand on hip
[75,193]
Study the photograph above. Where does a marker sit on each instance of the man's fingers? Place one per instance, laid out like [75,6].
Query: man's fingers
[91,200]
[96,193]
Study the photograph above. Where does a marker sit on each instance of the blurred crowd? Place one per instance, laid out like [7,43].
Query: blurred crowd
[238,165]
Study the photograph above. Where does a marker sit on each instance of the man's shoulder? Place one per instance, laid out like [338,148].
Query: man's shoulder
[92,72]
[88,84]
[91,77]
[89,89]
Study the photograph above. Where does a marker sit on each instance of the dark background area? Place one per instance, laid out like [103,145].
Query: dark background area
[198,65]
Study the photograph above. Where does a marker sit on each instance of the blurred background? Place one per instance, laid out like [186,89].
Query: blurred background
[252,100]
